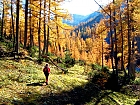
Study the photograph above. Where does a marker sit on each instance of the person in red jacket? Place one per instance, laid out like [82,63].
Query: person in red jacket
[46,71]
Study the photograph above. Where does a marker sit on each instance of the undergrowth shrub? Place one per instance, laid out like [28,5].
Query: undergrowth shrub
[58,60]
[69,61]
[100,79]
[50,54]
[81,62]
[136,81]
[62,65]
[33,50]
[96,67]
[99,75]
[21,45]
[9,45]
[6,45]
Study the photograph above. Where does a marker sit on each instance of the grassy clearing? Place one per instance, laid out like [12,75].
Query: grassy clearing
[19,79]
[21,83]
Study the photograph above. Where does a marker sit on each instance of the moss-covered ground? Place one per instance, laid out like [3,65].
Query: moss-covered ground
[21,84]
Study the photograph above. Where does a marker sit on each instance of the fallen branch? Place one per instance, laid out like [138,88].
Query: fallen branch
[47,57]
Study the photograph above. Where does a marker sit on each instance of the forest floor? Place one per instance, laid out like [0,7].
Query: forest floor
[21,84]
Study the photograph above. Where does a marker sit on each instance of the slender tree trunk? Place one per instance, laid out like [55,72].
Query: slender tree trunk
[57,30]
[132,39]
[30,19]
[102,52]
[45,41]
[26,24]
[10,36]
[115,35]
[32,36]
[20,36]
[39,31]
[115,54]
[48,30]
[31,26]
[2,24]
[128,33]
[133,64]
[13,28]
[31,30]
[17,27]
[112,44]
[122,39]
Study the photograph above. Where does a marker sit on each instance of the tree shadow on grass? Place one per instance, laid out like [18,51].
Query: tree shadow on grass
[35,84]
[81,95]
[78,96]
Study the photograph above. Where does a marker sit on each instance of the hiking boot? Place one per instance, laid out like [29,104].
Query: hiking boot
[44,84]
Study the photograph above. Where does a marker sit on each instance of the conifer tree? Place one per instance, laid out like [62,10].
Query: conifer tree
[17,25]
[26,23]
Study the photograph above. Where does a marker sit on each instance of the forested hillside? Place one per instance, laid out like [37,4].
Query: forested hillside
[100,54]
[76,19]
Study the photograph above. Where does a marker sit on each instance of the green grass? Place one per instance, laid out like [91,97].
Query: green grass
[20,83]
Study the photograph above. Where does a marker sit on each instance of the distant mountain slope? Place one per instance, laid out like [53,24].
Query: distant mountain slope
[90,20]
[76,19]
[83,21]
[93,15]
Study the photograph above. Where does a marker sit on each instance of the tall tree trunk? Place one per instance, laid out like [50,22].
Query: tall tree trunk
[10,36]
[132,39]
[129,35]
[2,24]
[122,39]
[32,36]
[115,54]
[13,28]
[45,41]
[31,30]
[31,26]
[26,24]
[58,37]
[115,35]
[39,31]
[20,40]
[57,30]
[102,52]
[48,30]
[133,57]
[17,27]
[112,44]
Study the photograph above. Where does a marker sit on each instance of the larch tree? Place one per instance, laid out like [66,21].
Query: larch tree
[48,28]
[13,27]
[2,20]
[26,23]
[45,41]
[17,25]
[128,36]
[31,25]
[39,29]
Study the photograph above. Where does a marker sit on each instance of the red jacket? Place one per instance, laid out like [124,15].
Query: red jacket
[46,69]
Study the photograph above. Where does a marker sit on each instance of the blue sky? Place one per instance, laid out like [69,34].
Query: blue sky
[83,7]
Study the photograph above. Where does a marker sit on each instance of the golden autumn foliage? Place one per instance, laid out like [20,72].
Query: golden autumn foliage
[63,37]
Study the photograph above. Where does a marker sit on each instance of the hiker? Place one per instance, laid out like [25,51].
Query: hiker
[46,71]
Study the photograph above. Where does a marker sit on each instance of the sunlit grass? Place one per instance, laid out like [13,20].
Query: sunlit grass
[18,79]
[16,75]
